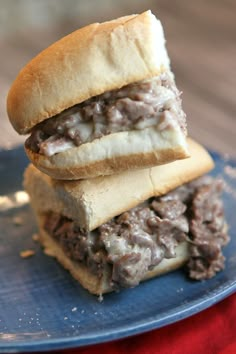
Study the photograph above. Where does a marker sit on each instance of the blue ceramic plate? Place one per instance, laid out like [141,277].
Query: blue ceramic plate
[43,308]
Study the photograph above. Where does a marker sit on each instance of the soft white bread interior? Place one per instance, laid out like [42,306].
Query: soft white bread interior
[91,282]
[90,61]
[115,153]
[95,201]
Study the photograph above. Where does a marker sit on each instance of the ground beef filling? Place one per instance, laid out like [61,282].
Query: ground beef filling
[153,102]
[137,240]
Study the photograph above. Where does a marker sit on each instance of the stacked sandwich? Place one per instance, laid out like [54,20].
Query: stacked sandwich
[115,184]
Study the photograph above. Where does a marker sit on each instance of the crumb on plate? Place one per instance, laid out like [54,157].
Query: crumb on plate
[27,253]
[35,237]
[17,220]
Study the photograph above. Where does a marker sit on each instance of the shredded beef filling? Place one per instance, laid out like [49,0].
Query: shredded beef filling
[139,239]
[153,102]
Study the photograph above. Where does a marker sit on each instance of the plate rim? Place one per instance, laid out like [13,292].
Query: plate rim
[124,332]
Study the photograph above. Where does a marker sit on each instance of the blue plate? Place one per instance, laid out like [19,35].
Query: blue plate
[43,308]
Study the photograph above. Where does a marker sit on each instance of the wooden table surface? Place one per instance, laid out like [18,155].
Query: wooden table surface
[201,39]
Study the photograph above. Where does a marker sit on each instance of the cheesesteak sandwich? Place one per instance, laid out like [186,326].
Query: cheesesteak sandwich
[116,231]
[101,100]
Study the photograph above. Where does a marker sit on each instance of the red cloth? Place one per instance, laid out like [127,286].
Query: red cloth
[212,331]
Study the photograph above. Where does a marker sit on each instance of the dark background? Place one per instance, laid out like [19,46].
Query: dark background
[200,39]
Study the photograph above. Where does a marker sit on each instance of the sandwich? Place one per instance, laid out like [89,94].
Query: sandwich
[115,231]
[100,101]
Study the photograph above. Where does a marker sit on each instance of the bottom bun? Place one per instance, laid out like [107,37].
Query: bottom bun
[100,285]
[114,153]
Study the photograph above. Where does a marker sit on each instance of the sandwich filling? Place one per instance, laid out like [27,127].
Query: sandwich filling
[154,102]
[138,240]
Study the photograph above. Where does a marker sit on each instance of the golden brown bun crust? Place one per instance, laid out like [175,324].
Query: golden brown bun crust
[93,202]
[91,282]
[87,62]
[114,153]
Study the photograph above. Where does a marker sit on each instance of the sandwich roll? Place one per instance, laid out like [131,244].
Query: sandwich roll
[100,101]
[156,228]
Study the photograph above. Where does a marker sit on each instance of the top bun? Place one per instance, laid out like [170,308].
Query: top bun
[86,63]
[94,201]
